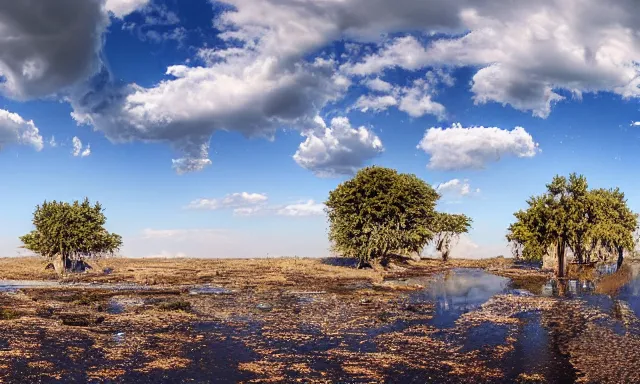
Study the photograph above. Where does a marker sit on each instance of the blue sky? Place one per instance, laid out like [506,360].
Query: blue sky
[213,129]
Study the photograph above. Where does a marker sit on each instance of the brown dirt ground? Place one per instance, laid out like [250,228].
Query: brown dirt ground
[321,322]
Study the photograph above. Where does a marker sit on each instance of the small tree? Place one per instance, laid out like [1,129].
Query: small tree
[614,225]
[448,228]
[71,231]
[380,212]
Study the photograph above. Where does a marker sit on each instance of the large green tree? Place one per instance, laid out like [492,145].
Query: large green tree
[569,216]
[73,231]
[379,212]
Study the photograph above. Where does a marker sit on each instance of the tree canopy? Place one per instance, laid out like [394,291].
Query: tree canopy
[73,231]
[447,228]
[381,211]
[571,216]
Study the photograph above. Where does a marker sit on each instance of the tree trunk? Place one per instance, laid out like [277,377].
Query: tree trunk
[620,256]
[560,253]
[58,264]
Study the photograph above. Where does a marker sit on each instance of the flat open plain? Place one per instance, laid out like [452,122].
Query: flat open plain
[315,320]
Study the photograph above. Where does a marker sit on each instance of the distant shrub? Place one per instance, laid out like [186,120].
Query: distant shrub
[8,314]
[176,305]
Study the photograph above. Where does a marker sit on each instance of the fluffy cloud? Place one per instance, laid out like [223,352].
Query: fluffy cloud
[258,83]
[266,74]
[33,66]
[78,148]
[462,148]
[404,52]
[252,98]
[525,53]
[378,84]
[415,100]
[240,201]
[121,8]
[16,130]
[154,28]
[251,204]
[374,103]
[337,149]
[456,188]
[308,208]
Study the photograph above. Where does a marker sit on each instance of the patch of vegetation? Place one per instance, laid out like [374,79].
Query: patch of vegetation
[80,319]
[88,299]
[8,314]
[175,305]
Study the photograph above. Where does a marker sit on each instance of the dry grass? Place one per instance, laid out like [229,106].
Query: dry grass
[611,284]
[322,335]
[25,268]
[233,273]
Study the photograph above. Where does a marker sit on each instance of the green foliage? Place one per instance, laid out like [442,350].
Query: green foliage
[613,223]
[447,228]
[569,215]
[8,314]
[74,231]
[380,212]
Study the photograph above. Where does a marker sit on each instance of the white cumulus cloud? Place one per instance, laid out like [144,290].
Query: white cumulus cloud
[308,208]
[415,100]
[337,149]
[238,200]
[526,53]
[375,103]
[16,130]
[121,8]
[267,72]
[456,188]
[458,147]
[78,148]
[379,85]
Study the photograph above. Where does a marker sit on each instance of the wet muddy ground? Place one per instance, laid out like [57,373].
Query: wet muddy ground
[460,325]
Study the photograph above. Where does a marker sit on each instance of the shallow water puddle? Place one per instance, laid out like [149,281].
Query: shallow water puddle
[609,291]
[12,286]
[457,292]
[630,294]
[537,352]
[115,307]
[209,290]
